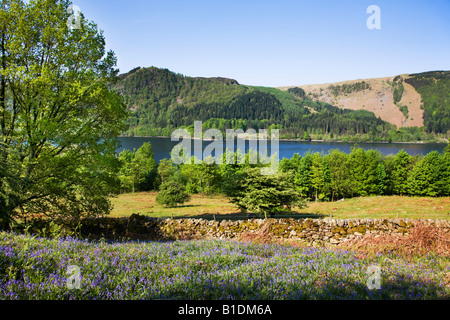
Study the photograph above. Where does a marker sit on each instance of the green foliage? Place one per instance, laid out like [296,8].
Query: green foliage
[138,169]
[166,171]
[172,194]
[59,118]
[306,136]
[340,174]
[161,101]
[147,167]
[265,195]
[399,89]
[299,92]
[303,182]
[201,178]
[428,176]
[401,168]
[404,110]
[364,167]
[364,173]
[446,161]
[434,88]
[348,88]
[320,176]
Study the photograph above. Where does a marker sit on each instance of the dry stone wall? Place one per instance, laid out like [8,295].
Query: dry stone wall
[314,231]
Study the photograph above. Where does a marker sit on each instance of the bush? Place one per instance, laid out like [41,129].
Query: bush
[172,194]
[264,195]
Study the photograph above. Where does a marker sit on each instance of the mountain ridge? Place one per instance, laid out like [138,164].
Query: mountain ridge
[387,109]
[160,101]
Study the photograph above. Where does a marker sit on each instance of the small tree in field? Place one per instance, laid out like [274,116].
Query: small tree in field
[265,195]
[172,194]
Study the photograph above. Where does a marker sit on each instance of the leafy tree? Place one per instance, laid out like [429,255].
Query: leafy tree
[306,136]
[172,194]
[357,161]
[139,169]
[365,171]
[375,173]
[339,174]
[290,166]
[59,118]
[129,174]
[382,179]
[201,178]
[398,90]
[166,171]
[388,163]
[303,182]
[401,168]
[299,92]
[265,195]
[147,167]
[319,175]
[231,175]
[428,176]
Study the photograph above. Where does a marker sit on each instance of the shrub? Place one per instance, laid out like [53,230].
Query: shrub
[172,194]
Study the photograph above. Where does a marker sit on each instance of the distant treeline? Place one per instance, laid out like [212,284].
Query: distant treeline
[363,173]
[315,176]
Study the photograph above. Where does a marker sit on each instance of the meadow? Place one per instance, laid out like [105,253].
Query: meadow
[204,206]
[36,268]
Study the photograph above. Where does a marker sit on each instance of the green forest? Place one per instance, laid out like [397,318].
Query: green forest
[434,87]
[161,101]
[313,176]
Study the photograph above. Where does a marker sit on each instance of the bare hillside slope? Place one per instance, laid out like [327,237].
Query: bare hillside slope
[375,95]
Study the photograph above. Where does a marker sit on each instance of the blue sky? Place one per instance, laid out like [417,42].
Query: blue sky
[276,43]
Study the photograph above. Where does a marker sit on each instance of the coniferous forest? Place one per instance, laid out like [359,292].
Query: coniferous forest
[161,101]
[434,87]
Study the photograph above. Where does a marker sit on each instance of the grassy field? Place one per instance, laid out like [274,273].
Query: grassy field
[365,207]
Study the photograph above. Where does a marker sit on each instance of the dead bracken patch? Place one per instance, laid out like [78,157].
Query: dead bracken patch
[421,239]
[263,235]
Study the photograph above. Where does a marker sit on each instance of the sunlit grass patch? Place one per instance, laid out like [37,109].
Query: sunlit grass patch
[203,206]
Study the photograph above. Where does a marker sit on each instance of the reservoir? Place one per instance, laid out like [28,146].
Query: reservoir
[162,147]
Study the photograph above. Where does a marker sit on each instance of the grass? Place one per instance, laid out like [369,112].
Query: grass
[412,268]
[33,268]
[202,206]
[145,203]
[384,207]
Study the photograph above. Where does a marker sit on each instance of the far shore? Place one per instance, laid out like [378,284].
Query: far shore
[302,140]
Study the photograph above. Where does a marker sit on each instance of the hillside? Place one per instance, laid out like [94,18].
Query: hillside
[414,100]
[377,97]
[160,101]
[363,110]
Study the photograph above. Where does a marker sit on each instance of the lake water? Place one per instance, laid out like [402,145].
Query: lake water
[162,147]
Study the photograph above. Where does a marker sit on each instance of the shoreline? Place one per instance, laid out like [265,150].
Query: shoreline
[300,140]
